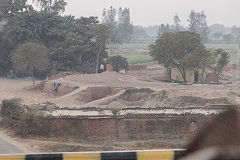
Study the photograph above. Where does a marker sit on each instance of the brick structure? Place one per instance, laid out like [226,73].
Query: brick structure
[193,76]
[128,128]
[109,68]
[96,93]
[135,67]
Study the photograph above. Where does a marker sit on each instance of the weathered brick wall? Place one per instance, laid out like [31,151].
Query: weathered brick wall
[125,128]
[100,128]
[135,67]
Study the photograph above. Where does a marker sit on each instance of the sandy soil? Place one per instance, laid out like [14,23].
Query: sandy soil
[10,88]
[176,94]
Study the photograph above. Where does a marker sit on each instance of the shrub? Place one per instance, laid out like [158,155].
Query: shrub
[118,63]
[88,68]
[32,122]
[12,109]
[23,122]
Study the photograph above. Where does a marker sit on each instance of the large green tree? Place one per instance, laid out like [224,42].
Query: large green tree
[5,63]
[174,49]
[11,8]
[30,58]
[70,40]
[53,6]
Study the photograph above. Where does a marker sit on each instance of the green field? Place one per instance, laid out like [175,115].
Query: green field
[223,46]
[234,59]
[138,58]
[135,56]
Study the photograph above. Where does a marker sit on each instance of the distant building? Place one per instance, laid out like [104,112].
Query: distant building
[193,76]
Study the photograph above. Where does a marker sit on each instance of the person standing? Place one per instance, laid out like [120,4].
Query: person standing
[102,68]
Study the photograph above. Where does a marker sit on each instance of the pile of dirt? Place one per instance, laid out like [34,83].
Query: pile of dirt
[191,101]
[166,99]
[47,87]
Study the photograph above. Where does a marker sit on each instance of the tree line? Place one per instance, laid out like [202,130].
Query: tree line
[39,41]
[197,24]
[119,23]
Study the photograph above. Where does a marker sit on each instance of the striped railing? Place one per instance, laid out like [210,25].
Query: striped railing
[131,155]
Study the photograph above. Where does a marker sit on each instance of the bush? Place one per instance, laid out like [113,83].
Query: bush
[118,63]
[32,122]
[23,122]
[12,109]
[89,68]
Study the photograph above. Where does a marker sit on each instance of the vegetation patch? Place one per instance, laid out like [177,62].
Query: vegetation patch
[23,121]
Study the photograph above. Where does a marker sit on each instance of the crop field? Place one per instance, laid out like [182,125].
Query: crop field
[138,52]
[138,58]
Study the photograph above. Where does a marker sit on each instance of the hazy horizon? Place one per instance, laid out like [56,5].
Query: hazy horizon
[156,12]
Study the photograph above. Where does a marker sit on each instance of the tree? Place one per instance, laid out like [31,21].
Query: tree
[69,40]
[173,50]
[30,58]
[109,19]
[218,35]
[102,34]
[235,32]
[177,26]
[228,37]
[5,63]
[118,63]
[11,8]
[222,59]
[125,28]
[53,6]
[198,24]
[201,59]
[163,29]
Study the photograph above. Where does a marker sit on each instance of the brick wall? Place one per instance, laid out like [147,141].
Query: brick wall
[125,128]
[134,67]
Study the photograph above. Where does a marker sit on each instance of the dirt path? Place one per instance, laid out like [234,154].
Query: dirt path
[10,145]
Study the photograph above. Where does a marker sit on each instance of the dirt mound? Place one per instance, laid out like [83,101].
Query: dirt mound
[60,75]
[47,87]
[166,99]
[189,101]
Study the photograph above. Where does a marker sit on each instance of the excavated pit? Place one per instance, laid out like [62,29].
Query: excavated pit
[96,93]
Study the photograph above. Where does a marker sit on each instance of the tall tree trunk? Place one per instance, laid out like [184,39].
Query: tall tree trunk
[98,56]
[182,73]
[33,78]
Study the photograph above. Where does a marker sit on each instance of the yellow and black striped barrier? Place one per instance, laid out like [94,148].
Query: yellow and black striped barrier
[131,155]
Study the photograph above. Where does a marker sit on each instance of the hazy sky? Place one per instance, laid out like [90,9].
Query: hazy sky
[151,12]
